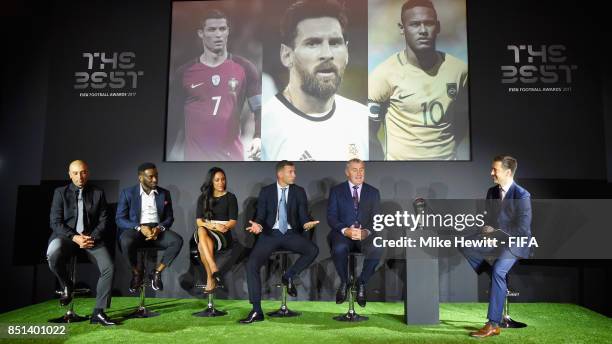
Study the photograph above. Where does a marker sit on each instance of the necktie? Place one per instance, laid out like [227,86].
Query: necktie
[80,223]
[355,198]
[502,193]
[282,213]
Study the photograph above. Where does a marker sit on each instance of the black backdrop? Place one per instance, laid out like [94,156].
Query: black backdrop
[45,124]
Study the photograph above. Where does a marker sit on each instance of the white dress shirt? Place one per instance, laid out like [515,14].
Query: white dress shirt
[279,190]
[359,187]
[504,188]
[148,207]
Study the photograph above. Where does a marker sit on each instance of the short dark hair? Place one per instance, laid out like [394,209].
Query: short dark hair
[306,9]
[281,164]
[508,162]
[214,14]
[145,166]
[416,3]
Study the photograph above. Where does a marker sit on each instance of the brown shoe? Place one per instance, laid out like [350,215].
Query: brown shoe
[487,331]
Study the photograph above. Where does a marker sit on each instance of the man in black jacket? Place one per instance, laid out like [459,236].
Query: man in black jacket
[79,219]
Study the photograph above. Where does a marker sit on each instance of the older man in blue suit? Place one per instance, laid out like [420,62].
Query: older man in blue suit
[508,212]
[350,211]
[144,216]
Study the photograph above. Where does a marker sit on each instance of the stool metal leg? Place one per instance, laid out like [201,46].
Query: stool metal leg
[210,310]
[70,316]
[351,315]
[283,311]
[142,311]
[507,322]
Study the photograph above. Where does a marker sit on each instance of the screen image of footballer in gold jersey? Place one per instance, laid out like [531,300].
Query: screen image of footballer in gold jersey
[418,96]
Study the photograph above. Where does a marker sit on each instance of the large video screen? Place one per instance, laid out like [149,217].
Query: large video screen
[318,80]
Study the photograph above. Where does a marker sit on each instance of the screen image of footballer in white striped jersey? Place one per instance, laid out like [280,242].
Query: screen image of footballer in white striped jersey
[417,93]
[308,120]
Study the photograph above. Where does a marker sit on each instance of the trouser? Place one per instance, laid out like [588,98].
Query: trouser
[60,249]
[341,246]
[265,246]
[499,269]
[132,240]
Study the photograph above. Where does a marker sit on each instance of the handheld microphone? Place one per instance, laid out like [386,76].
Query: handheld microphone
[419,206]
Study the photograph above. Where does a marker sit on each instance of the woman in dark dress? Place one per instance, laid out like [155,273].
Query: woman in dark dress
[216,215]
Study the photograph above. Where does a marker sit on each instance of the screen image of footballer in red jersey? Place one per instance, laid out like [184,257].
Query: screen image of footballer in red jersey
[215,97]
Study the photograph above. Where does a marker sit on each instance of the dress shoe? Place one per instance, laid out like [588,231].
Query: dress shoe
[156,280]
[66,294]
[102,319]
[487,331]
[341,293]
[136,282]
[361,294]
[218,279]
[288,282]
[252,317]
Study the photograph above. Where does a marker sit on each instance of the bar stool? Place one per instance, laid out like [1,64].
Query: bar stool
[351,315]
[283,311]
[507,322]
[70,316]
[210,310]
[142,311]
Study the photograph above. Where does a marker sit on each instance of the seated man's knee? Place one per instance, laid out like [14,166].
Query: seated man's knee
[340,250]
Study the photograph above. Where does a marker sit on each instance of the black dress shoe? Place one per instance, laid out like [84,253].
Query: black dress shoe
[252,317]
[156,280]
[288,282]
[361,295]
[102,319]
[66,295]
[218,279]
[135,282]
[341,293]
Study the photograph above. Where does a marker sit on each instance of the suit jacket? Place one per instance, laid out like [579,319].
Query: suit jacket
[130,204]
[64,211]
[340,209]
[512,214]
[267,205]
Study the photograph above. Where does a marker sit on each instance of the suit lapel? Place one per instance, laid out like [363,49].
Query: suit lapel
[363,195]
[138,201]
[159,202]
[347,193]
[87,204]
[290,199]
[275,198]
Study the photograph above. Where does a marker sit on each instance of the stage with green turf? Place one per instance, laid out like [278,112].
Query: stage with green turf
[547,323]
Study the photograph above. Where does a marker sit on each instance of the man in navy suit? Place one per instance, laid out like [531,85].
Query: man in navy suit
[508,212]
[350,210]
[144,217]
[282,217]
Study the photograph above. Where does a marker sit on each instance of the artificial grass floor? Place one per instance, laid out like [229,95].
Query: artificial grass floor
[547,323]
